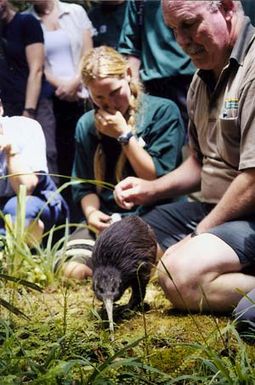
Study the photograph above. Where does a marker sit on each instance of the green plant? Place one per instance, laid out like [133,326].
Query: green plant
[13,309]
[24,256]
[220,366]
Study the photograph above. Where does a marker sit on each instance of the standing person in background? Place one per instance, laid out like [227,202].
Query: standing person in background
[164,68]
[23,89]
[107,18]
[68,35]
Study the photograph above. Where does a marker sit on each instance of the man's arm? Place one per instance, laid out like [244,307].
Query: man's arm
[185,179]
[238,201]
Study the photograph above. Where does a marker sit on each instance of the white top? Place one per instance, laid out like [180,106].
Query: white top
[28,139]
[59,54]
[74,20]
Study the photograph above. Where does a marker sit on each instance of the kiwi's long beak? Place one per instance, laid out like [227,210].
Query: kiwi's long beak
[108,303]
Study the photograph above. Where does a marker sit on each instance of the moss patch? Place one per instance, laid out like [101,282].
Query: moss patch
[66,325]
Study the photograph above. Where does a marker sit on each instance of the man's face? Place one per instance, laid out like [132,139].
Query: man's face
[201,31]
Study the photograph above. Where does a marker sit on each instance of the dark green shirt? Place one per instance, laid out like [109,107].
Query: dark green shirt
[158,126]
[146,36]
[107,21]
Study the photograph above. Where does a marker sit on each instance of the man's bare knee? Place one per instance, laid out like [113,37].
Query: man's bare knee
[178,285]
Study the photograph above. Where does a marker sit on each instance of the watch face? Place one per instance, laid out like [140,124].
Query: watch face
[124,139]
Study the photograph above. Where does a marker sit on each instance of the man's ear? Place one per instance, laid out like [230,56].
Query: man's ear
[228,6]
[129,74]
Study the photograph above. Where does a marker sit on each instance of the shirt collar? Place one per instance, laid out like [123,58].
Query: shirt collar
[246,35]
[242,44]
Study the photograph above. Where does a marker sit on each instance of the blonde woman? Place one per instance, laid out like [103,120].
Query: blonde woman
[128,133]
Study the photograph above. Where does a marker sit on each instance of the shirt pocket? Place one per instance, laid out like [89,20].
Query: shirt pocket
[228,140]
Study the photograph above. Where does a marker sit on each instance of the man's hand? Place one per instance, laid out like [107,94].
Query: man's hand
[112,125]
[134,191]
[99,220]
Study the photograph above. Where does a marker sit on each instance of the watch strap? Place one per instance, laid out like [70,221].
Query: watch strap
[124,138]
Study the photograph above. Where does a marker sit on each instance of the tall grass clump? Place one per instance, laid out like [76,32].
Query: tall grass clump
[24,256]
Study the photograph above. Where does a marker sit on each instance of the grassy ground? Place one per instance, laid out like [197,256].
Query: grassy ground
[65,328]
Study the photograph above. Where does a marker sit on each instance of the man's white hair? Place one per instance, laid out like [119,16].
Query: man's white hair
[214,5]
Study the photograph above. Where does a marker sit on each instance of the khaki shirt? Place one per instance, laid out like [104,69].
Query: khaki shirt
[222,118]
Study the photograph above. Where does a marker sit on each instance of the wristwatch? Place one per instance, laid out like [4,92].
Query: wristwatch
[124,138]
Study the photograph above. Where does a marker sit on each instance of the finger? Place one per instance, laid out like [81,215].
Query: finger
[105,218]
[127,205]
[103,225]
[125,184]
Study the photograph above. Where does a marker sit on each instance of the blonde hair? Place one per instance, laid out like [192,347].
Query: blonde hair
[103,62]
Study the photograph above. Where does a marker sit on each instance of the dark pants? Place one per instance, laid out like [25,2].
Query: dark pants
[45,204]
[67,115]
[173,221]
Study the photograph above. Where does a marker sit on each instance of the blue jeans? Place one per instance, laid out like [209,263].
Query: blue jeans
[45,202]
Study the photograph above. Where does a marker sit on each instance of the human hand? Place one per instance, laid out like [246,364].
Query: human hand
[133,191]
[99,220]
[68,90]
[112,125]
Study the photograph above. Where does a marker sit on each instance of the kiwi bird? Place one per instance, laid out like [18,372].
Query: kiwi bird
[123,257]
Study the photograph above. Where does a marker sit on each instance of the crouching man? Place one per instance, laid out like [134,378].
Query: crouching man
[207,244]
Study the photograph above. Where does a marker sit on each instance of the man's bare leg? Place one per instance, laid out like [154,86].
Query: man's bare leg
[205,274]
